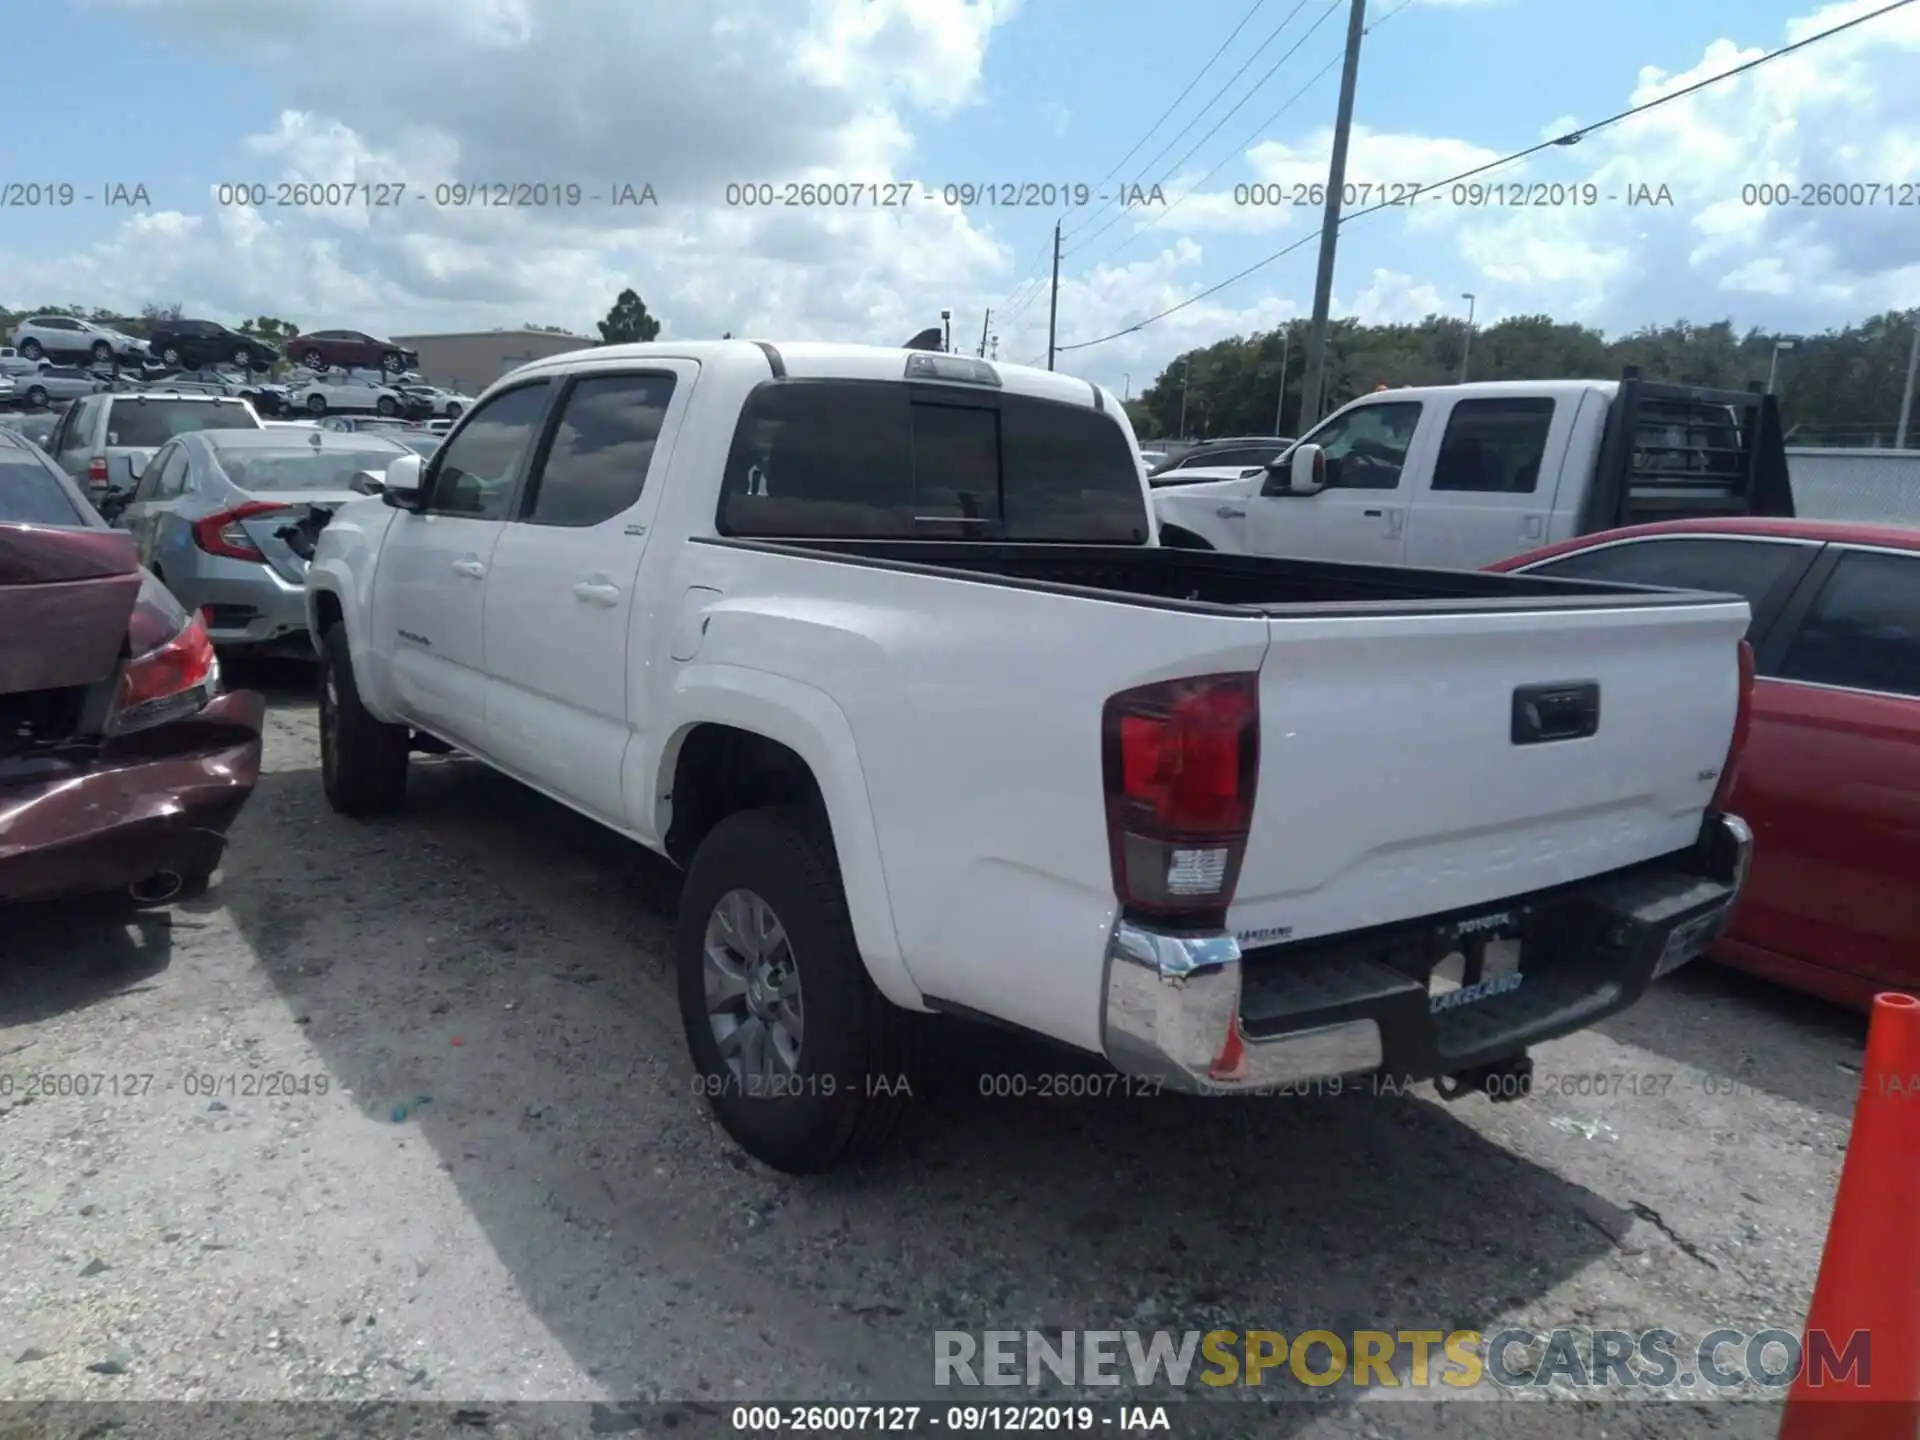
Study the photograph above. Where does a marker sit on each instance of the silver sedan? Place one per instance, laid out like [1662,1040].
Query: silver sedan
[208,511]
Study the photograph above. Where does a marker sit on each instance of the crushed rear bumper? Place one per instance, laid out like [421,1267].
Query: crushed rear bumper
[160,800]
[1196,1012]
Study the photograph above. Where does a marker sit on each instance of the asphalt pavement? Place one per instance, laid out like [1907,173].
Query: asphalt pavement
[399,1118]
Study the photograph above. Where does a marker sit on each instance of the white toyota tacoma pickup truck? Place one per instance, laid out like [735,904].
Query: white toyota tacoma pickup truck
[879,645]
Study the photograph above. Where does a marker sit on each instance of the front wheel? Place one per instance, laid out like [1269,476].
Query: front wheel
[36,397]
[453,412]
[386,405]
[101,352]
[802,1060]
[316,404]
[363,761]
[170,357]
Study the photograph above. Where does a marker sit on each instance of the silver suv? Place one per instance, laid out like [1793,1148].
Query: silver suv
[62,337]
[100,434]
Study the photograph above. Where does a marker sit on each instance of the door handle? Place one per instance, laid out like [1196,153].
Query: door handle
[595,593]
[1373,514]
[470,567]
[1228,512]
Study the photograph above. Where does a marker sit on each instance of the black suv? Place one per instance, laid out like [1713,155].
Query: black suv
[192,344]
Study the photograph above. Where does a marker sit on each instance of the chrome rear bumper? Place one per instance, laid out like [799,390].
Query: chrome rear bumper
[1181,1008]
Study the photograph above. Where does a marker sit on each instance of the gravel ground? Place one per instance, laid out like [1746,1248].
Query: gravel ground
[404,1116]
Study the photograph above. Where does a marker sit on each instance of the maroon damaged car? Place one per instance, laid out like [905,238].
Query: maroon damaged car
[122,759]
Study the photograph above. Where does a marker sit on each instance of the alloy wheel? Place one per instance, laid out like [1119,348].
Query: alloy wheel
[753,993]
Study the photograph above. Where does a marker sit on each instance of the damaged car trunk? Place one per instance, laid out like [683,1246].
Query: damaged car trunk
[123,759]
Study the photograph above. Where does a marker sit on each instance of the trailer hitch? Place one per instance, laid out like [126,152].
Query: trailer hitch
[1500,1081]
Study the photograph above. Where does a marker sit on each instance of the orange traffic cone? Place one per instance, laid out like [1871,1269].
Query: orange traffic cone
[1869,1281]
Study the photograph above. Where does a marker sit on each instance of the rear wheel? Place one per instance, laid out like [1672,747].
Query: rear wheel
[386,405]
[453,412]
[171,356]
[802,1060]
[31,348]
[101,352]
[36,397]
[363,761]
[243,358]
[316,404]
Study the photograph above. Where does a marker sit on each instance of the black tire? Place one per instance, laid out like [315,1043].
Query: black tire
[393,363]
[170,357]
[316,404]
[1172,537]
[31,348]
[386,405]
[243,358]
[101,352]
[453,411]
[854,1066]
[363,761]
[36,397]
[316,361]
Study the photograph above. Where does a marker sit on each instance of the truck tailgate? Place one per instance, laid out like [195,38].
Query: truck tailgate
[1409,765]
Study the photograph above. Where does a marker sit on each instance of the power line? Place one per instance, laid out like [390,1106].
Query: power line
[1241,149]
[1572,137]
[1161,215]
[1174,169]
[1232,35]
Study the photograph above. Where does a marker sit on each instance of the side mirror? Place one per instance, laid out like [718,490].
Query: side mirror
[136,464]
[400,487]
[1301,471]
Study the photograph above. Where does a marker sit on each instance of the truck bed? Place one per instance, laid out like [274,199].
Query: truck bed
[1213,581]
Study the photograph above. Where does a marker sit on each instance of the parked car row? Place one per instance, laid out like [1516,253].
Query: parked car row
[188,344]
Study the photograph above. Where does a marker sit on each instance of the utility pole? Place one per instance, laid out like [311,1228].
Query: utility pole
[1906,391]
[1053,300]
[1330,224]
[1466,342]
[1773,366]
[1280,403]
[985,321]
[1186,377]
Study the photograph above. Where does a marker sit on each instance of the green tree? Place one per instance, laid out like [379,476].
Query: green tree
[628,321]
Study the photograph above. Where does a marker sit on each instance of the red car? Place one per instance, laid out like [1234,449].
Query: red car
[1830,779]
[123,759]
[351,349]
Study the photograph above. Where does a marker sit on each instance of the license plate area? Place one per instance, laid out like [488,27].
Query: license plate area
[1479,959]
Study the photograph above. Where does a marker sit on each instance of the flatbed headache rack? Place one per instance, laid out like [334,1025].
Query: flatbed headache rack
[1677,451]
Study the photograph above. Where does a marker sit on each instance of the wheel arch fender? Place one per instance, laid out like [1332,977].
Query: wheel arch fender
[334,597]
[812,725]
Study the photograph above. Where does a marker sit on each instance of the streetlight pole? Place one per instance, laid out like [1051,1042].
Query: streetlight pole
[1466,344]
[1280,401]
[1906,391]
[1773,369]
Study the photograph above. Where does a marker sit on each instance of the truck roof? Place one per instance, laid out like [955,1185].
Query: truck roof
[814,359]
[1499,390]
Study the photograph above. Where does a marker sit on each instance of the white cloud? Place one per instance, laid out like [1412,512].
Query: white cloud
[477,90]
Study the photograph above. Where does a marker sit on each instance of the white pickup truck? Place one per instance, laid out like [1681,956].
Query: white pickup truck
[879,645]
[1464,475]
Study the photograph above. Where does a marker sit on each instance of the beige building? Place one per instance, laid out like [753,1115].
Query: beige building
[471,361]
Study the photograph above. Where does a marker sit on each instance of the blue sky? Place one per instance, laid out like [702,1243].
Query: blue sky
[937,91]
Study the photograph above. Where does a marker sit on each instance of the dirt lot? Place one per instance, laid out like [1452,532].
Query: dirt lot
[483,1178]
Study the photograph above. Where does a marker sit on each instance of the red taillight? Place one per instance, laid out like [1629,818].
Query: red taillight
[1742,722]
[175,678]
[1180,761]
[221,534]
[97,470]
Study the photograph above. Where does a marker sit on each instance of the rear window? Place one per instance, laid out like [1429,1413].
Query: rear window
[150,424]
[832,459]
[31,493]
[308,469]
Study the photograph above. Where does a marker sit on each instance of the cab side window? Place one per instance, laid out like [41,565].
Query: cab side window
[1494,446]
[1366,448]
[475,474]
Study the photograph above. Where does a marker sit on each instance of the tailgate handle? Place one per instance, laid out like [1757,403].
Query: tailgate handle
[1566,711]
